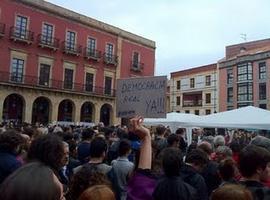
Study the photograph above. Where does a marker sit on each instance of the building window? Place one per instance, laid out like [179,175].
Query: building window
[229,76]
[21,27]
[135,59]
[47,33]
[207,111]
[89,82]
[187,111]
[68,81]
[262,91]
[240,105]
[245,92]
[108,85]
[178,85]
[244,72]
[208,80]
[263,106]
[230,107]
[44,74]
[109,52]
[70,40]
[197,112]
[192,82]
[262,70]
[91,46]
[17,70]
[208,98]
[178,100]
[230,95]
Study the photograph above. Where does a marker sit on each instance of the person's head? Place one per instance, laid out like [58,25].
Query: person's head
[219,140]
[180,132]
[173,140]
[32,181]
[160,130]
[172,161]
[72,148]
[65,157]
[48,149]
[261,142]
[97,192]
[223,152]
[227,169]
[235,146]
[87,134]
[87,177]
[254,162]
[197,158]
[10,141]
[231,192]
[206,147]
[98,148]
[124,148]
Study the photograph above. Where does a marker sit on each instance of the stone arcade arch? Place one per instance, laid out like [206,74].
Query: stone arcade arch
[87,112]
[13,108]
[41,110]
[66,111]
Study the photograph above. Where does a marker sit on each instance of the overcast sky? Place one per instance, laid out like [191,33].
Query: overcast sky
[188,33]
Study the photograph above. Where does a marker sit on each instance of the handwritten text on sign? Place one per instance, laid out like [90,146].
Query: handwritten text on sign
[141,96]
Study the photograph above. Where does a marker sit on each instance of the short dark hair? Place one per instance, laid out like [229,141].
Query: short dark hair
[206,147]
[10,140]
[98,147]
[32,181]
[197,157]
[124,147]
[227,169]
[87,134]
[160,130]
[48,149]
[172,138]
[251,158]
[172,161]
[180,131]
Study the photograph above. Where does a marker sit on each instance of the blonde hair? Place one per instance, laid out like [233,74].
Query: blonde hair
[97,192]
[231,192]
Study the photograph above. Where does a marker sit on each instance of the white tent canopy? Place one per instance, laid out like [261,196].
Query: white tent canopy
[246,118]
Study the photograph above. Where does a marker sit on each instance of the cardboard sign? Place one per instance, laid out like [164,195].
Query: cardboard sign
[141,96]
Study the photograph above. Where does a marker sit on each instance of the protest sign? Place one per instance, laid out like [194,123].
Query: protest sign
[141,96]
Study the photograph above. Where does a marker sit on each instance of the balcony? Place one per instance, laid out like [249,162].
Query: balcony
[48,42]
[192,103]
[71,49]
[136,66]
[110,59]
[92,54]
[38,83]
[2,30]
[21,35]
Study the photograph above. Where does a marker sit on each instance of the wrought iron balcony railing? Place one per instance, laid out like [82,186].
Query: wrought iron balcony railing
[2,29]
[48,42]
[110,59]
[92,54]
[192,103]
[22,35]
[71,48]
[39,82]
[136,66]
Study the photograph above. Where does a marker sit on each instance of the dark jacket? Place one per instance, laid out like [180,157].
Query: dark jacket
[174,188]
[211,176]
[84,152]
[193,178]
[258,190]
[8,164]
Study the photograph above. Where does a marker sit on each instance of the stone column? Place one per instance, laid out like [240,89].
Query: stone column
[77,111]
[2,99]
[54,110]
[28,109]
[97,113]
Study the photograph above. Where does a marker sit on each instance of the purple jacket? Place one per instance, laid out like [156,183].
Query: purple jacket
[141,185]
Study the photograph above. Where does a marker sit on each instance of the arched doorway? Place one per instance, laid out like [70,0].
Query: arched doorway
[13,108]
[105,114]
[87,111]
[41,110]
[66,111]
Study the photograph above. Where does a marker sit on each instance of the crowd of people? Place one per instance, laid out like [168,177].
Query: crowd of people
[133,163]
